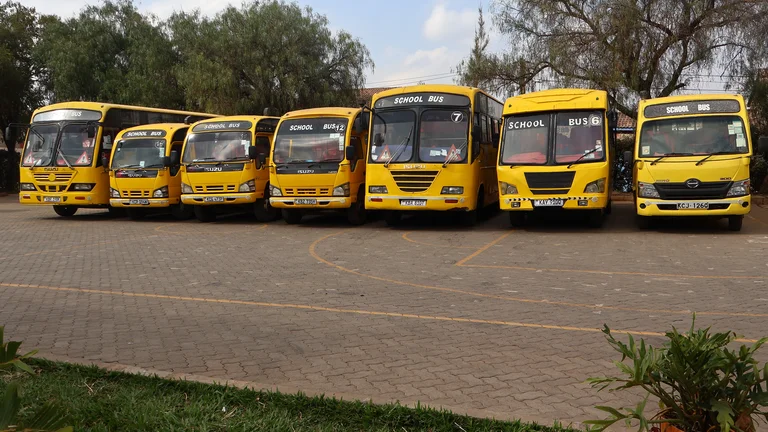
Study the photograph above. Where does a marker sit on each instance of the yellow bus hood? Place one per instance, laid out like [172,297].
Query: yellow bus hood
[680,169]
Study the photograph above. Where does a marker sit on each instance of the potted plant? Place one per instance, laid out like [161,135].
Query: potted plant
[700,384]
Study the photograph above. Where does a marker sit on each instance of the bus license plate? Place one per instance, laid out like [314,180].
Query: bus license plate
[413,203]
[693,206]
[548,203]
[51,199]
[306,201]
[213,199]
[138,202]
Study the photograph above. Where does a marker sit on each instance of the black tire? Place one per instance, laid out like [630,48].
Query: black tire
[65,211]
[392,218]
[116,212]
[596,218]
[643,222]
[135,214]
[356,214]
[181,211]
[292,217]
[263,210]
[609,208]
[205,213]
[735,223]
[517,218]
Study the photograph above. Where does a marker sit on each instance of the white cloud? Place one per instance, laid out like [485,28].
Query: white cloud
[444,24]
[159,8]
[401,68]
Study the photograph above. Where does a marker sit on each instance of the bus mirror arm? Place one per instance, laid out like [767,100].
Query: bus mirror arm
[762,145]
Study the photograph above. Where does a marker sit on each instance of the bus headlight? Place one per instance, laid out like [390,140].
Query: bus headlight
[249,186]
[185,188]
[160,193]
[275,191]
[507,189]
[739,188]
[81,186]
[647,190]
[452,190]
[377,189]
[27,186]
[113,193]
[342,190]
[597,186]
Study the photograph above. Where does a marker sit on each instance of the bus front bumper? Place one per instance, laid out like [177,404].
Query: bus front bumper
[221,199]
[142,202]
[311,203]
[77,199]
[510,203]
[419,203]
[715,207]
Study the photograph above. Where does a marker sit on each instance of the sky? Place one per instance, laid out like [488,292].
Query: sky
[409,40]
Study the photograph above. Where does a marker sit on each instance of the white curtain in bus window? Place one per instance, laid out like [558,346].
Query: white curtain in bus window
[75,146]
[525,139]
[443,136]
[580,136]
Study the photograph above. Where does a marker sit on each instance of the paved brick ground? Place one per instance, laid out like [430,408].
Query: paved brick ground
[487,321]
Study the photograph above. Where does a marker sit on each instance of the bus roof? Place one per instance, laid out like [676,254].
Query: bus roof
[101,106]
[556,99]
[326,111]
[154,126]
[435,88]
[696,97]
[251,118]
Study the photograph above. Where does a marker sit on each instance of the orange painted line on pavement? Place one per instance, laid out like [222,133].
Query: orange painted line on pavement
[483,249]
[336,310]
[315,255]
[756,219]
[406,238]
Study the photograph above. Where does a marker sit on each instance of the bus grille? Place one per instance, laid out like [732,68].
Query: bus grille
[321,191]
[550,191]
[52,188]
[58,177]
[135,193]
[414,181]
[705,190]
[550,180]
[215,188]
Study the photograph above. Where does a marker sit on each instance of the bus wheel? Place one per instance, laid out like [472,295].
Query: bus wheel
[205,213]
[135,214]
[263,209]
[392,218]
[609,207]
[65,211]
[735,222]
[292,217]
[596,218]
[643,222]
[517,218]
[181,211]
[116,211]
[469,218]
[356,212]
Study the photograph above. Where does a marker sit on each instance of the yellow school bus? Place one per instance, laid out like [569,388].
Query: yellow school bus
[691,158]
[63,160]
[318,163]
[224,164]
[144,173]
[556,154]
[433,147]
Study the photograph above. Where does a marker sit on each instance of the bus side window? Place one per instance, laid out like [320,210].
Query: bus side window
[486,129]
[262,145]
[175,169]
[495,132]
[107,141]
[476,126]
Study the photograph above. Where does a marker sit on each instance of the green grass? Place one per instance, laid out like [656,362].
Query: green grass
[98,400]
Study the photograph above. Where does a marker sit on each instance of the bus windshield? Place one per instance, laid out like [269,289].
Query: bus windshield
[525,139]
[217,146]
[580,136]
[443,133]
[311,140]
[393,136]
[75,146]
[39,147]
[139,153]
[693,136]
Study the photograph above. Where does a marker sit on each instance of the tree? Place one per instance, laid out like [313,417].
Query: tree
[108,53]
[266,54]
[18,94]
[631,48]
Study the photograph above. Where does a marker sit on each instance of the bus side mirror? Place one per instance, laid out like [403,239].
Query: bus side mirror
[350,153]
[253,153]
[105,161]
[477,136]
[91,131]
[175,158]
[762,145]
[627,157]
[8,137]
[378,139]
[261,160]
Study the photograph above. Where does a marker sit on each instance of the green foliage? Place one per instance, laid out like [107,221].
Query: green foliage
[266,54]
[700,383]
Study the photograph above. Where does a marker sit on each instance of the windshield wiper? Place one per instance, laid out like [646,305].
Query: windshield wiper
[206,159]
[669,154]
[587,153]
[400,149]
[63,158]
[455,154]
[712,154]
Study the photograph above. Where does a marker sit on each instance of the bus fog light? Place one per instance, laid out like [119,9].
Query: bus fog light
[507,189]
[739,188]
[185,188]
[516,204]
[647,190]
[583,203]
[452,190]
[597,186]
[81,186]
[27,187]
[342,190]
[275,191]
[161,193]
[377,189]
[249,186]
